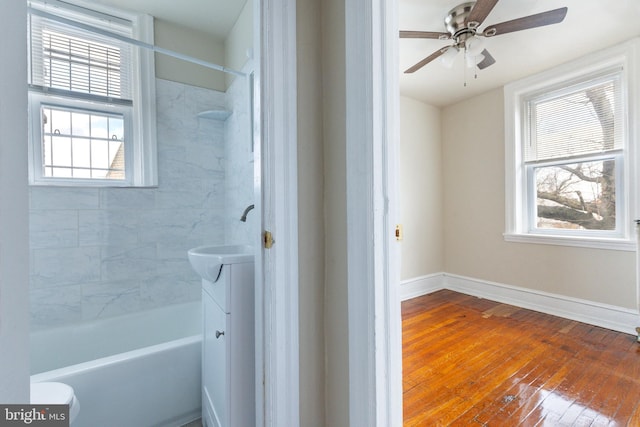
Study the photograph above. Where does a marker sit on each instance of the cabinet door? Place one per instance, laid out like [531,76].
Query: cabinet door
[214,362]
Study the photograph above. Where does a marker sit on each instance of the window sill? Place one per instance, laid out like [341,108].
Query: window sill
[581,242]
[87,183]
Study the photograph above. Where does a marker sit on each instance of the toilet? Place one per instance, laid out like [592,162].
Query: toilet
[54,393]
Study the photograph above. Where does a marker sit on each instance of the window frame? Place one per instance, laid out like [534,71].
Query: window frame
[140,136]
[38,101]
[531,196]
[519,188]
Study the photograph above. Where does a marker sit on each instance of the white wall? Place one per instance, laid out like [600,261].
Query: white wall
[14,285]
[420,175]
[474,191]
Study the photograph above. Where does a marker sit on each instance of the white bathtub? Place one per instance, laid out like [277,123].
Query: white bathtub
[151,378]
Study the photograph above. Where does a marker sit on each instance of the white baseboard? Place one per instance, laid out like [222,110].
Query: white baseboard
[421,286]
[607,316]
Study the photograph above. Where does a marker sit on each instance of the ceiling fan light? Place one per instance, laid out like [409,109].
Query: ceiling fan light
[474,45]
[473,60]
[449,56]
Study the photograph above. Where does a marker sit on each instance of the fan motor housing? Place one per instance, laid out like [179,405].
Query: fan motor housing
[454,22]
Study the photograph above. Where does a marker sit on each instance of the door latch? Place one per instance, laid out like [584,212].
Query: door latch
[268,239]
[399,232]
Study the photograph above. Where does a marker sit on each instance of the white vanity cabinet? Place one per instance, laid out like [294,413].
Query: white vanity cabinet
[228,362]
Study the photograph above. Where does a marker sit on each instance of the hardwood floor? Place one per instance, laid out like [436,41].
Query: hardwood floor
[473,362]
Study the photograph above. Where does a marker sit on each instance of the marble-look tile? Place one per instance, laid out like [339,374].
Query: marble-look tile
[178,249]
[113,251]
[181,167]
[110,299]
[127,198]
[239,190]
[64,266]
[170,225]
[55,306]
[164,290]
[50,197]
[168,138]
[53,228]
[187,198]
[170,104]
[214,162]
[128,262]
[108,227]
[200,99]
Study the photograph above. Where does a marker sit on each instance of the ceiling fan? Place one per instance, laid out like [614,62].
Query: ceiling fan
[462,24]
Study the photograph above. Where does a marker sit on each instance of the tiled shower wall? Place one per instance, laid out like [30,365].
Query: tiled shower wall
[239,188]
[101,252]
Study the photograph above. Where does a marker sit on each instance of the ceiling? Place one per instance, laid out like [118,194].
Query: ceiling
[215,17]
[590,25]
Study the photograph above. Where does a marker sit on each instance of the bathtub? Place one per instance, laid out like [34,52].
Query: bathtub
[135,370]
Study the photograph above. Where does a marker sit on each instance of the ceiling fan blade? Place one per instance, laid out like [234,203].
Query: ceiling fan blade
[487,61]
[480,11]
[424,35]
[426,60]
[532,21]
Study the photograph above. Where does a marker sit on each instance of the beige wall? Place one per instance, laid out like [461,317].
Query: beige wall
[231,52]
[310,216]
[239,41]
[193,43]
[335,209]
[420,177]
[474,192]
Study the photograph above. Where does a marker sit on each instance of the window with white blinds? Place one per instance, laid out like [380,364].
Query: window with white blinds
[583,119]
[73,61]
[87,89]
[571,154]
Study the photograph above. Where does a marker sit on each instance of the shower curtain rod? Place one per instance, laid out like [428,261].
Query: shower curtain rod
[135,42]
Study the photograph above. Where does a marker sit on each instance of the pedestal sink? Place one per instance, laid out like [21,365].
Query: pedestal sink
[207,260]
[228,334]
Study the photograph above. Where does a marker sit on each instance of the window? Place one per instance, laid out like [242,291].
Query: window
[92,114]
[570,153]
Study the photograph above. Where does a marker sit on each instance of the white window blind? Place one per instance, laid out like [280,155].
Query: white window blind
[73,62]
[580,120]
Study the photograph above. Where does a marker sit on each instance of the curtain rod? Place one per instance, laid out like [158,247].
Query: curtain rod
[135,42]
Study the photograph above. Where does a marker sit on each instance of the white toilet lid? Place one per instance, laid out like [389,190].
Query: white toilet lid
[51,393]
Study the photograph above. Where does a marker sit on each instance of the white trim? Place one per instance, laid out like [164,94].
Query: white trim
[375,387]
[607,316]
[38,101]
[146,169]
[593,313]
[580,242]
[277,340]
[390,323]
[422,285]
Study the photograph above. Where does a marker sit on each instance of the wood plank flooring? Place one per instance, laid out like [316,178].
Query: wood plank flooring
[472,362]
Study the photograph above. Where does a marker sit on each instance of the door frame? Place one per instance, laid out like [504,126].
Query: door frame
[374,323]
[372,112]
[276,183]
